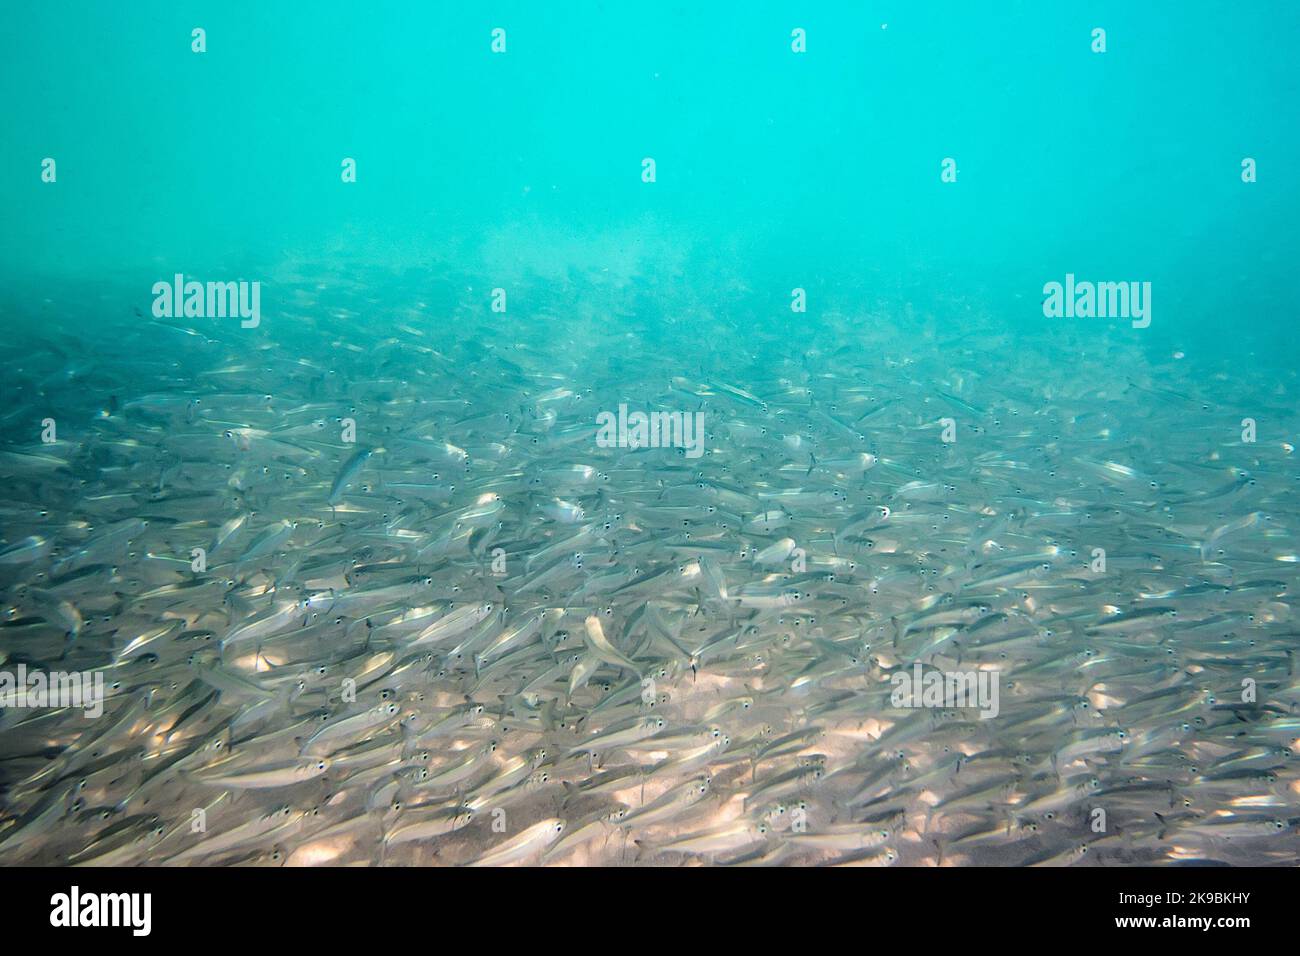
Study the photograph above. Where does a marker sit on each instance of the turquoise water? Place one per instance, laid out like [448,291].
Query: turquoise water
[820,170]
[840,264]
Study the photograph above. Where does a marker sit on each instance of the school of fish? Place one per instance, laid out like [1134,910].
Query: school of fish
[379,597]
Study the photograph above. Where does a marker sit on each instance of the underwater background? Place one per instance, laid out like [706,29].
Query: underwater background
[820,169]
[840,260]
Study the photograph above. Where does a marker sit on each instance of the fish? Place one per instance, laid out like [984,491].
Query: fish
[348,474]
[262,777]
[533,840]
